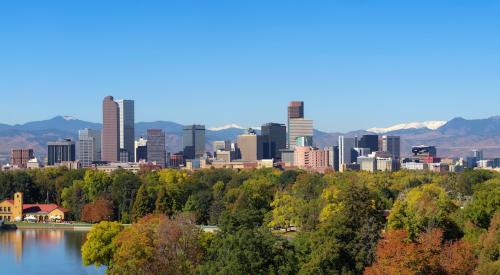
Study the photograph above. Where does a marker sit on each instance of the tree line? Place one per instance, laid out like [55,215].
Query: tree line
[275,222]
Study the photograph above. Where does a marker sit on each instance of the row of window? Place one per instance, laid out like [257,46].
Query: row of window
[4,218]
[5,209]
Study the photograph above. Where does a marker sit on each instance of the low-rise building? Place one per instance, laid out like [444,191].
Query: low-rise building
[17,210]
[33,164]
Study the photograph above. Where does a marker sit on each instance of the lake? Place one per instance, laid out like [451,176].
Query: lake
[43,251]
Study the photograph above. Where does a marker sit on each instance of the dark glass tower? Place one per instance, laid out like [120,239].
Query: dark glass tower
[369,141]
[193,141]
[156,147]
[273,140]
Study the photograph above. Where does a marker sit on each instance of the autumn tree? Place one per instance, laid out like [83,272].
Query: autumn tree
[397,254]
[489,260]
[157,244]
[99,210]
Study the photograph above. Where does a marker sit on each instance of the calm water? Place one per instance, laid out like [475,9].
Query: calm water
[43,251]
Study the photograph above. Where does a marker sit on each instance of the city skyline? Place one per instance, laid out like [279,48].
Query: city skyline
[328,55]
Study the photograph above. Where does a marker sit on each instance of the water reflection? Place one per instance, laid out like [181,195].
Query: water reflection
[43,251]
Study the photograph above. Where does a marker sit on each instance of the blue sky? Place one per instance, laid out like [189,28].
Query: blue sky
[356,63]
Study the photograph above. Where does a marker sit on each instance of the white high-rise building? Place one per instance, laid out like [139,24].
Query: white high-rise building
[346,146]
[127,126]
[89,146]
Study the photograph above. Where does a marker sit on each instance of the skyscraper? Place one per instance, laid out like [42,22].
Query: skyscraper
[295,111]
[478,154]
[89,146]
[273,140]
[127,126]
[369,141]
[250,146]
[392,144]
[334,157]
[299,127]
[156,147]
[59,151]
[110,143]
[193,141]
[346,150]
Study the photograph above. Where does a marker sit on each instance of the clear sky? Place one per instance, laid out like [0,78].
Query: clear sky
[356,63]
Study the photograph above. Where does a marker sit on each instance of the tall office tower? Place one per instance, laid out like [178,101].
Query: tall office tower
[334,157]
[127,126]
[59,151]
[299,127]
[193,141]
[392,144]
[250,146]
[295,111]
[141,149]
[89,146]
[20,157]
[478,154]
[156,147]
[273,140]
[346,150]
[110,142]
[369,141]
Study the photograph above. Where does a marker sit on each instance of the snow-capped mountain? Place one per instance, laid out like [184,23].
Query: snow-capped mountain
[432,125]
[225,127]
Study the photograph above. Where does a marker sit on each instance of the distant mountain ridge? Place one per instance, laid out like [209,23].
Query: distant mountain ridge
[453,138]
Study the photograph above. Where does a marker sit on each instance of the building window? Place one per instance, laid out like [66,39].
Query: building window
[8,209]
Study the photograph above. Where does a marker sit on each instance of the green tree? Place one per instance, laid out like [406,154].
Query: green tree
[144,203]
[123,191]
[250,251]
[96,184]
[74,198]
[285,211]
[485,202]
[425,207]
[99,247]
[346,241]
[165,202]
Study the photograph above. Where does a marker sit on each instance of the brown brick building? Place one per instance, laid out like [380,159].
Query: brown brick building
[20,157]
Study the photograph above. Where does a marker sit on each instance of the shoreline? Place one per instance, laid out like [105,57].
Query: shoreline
[15,226]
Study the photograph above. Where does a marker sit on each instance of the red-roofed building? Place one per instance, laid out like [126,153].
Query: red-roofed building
[16,210]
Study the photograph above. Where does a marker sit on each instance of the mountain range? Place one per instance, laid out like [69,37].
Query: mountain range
[454,138]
